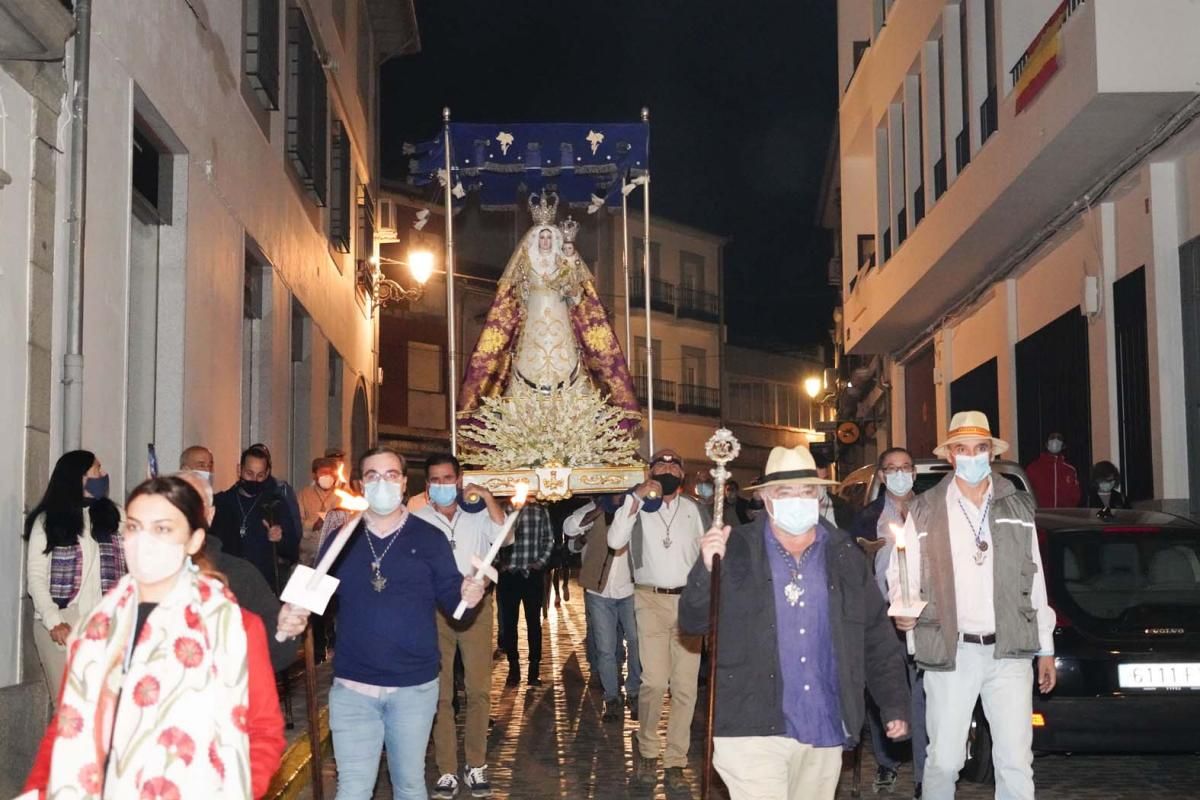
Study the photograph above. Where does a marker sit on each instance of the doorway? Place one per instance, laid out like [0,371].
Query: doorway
[1133,385]
[920,405]
[1054,390]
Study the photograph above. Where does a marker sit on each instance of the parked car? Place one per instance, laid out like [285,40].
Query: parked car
[860,488]
[1126,589]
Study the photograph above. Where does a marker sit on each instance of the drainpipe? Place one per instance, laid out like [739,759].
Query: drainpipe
[72,436]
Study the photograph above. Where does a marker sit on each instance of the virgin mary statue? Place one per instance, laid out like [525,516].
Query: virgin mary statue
[547,381]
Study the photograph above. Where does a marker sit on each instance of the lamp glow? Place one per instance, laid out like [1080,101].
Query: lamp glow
[812,386]
[420,265]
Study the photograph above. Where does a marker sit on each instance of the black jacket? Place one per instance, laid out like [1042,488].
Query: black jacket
[253,594]
[749,687]
[866,523]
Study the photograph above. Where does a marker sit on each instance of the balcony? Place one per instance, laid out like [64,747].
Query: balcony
[703,400]
[697,304]
[664,393]
[35,30]
[1122,70]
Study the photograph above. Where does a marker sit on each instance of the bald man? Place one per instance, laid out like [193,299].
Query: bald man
[197,458]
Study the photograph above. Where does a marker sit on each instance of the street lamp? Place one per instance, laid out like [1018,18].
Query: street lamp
[812,387]
[383,290]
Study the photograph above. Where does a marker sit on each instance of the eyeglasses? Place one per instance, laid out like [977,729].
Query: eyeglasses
[892,470]
[392,475]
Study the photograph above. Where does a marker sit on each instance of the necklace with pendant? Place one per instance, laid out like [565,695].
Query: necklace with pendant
[378,582]
[981,545]
[794,590]
[441,524]
[667,539]
[245,512]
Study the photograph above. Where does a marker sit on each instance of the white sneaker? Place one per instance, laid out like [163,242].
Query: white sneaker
[476,780]
[446,787]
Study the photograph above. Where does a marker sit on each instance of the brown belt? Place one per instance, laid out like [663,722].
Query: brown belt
[659,589]
[975,638]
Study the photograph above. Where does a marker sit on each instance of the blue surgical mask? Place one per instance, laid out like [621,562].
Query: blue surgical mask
[973,469]
[704,490]
[96,487]
[206,474]
[383,496]
[795,515]
[443,494]
[898,483]
[1106,486]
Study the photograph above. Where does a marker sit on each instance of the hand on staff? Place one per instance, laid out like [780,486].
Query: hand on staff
[472,590]
[60,632]
[648,488]
[1047,674]
[274,532]
[713,544]
[896,729]
[905,623]
[292,620]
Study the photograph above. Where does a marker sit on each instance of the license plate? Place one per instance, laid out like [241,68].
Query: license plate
[1159,676]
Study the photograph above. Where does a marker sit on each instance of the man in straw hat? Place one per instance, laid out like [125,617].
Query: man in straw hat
[987,616]
[803,631]
[662,528]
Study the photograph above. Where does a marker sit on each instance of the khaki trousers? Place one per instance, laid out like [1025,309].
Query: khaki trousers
[669,660]
[776,768]
[474,641]
[53,655]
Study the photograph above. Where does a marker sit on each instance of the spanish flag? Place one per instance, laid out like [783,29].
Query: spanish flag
[1041,59]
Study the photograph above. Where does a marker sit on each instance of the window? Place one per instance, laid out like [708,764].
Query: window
[691,271]
[988,111]
[307,108]
[639,258]
[365,61]
[866,251]
[962,143]
[340,199]
[939,169]
[261,43]
[424,367]
[366,223]
[151,178]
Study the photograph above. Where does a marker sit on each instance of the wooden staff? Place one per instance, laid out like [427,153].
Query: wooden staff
[314,713]
[722,448]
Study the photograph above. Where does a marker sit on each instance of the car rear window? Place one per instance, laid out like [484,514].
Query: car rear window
[1122,580]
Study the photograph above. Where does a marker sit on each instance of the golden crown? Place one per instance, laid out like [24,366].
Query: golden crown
[570,228]
[543,213]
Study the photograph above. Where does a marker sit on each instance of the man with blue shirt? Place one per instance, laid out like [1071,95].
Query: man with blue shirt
[800,621]
[394,572]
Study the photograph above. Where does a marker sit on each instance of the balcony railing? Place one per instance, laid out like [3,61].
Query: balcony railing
[1061,14]
[918,205]
[662,294]
[664,392]
[703,400]
[962,150]
[988,116]
[939,178]
[697,304]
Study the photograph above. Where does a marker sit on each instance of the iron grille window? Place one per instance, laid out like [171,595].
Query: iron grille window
[366,223]
[918,205]
[307,108]
[962,150]
[340,198]
[988,111]
[261,42]
[939,178]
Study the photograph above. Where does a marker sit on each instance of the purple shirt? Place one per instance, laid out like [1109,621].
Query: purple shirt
[808,666]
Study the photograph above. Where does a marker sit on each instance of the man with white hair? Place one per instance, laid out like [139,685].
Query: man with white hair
[979,568]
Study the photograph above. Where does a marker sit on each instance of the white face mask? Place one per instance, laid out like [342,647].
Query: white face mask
[1055,446]
[383,496]
[973,469]
[207,475]
[898,483]
[152,559]
[1106,487]
[325,482]
[795,515]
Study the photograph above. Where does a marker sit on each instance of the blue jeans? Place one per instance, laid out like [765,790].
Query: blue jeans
[606,616]
[361,725]
[884,748]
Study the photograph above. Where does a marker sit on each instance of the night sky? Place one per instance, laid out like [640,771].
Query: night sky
[742,99]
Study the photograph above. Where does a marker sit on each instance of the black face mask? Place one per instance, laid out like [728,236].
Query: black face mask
[252,488]
[670,483]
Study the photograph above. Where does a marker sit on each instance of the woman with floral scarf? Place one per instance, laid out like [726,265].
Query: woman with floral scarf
[168,691]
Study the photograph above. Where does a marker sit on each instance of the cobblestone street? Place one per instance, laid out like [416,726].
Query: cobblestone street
[549,742]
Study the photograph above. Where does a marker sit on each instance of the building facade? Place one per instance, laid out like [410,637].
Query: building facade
[231,170]
[1020,195]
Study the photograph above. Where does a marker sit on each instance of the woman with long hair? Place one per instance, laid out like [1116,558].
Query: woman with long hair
[169,691]
[75,555]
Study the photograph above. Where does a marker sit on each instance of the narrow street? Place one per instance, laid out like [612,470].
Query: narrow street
[549,742]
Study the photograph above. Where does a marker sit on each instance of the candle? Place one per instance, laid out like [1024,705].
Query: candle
[482,567]
[902,561]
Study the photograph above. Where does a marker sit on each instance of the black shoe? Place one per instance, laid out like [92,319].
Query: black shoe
[646,771]
[674,779]
[534,680]
[917,791]
[612,710]
[631,702]
[514,677]
[885,780]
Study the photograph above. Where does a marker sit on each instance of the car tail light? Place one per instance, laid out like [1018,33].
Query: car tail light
[1039,720]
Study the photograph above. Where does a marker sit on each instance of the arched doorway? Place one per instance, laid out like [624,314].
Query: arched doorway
[360,422]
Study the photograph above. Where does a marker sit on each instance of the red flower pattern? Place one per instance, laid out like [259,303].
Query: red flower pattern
[179,744]
[188,651]
[192,618]
[97,626]
[239,718]
[205,591]
[159,789]
[89,779]
[68,723]
[145,693]
[215,760]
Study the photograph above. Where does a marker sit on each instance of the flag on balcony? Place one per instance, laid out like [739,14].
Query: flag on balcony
[503,162]
[1040,60]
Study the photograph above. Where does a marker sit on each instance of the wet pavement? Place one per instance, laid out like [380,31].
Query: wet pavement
[550,742]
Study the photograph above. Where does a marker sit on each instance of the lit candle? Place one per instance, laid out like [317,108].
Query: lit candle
[902,560]
[482,567]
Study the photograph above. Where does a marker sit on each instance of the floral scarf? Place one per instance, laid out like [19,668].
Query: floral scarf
[162,720]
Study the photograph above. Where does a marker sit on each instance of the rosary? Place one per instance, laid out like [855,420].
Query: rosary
[378,582]
[450,530]
[667,539]
[794,589]
[981,544]
[245,512]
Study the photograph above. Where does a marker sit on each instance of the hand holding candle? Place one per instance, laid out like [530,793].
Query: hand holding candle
[484,567]
[902,563]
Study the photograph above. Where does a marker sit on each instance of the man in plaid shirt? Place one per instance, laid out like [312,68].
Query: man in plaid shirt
[522,583]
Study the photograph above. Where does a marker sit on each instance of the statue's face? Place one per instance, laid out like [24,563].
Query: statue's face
[568,248]
[545,240]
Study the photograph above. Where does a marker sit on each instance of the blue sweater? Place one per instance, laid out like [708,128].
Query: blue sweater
[389,638]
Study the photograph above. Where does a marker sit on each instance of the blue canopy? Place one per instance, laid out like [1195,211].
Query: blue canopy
[583,163]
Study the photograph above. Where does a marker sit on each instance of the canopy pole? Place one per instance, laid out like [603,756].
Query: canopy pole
[625,266]
[451,344]
[646,298]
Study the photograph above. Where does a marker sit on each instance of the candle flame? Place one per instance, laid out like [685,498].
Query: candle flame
[898,534]
[341,474]
[350,502]
[521,492]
